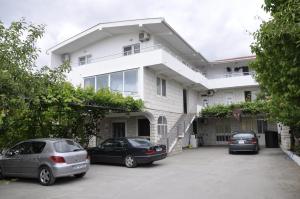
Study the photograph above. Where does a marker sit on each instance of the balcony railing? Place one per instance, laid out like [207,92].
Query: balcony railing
[142,50]
[228,75]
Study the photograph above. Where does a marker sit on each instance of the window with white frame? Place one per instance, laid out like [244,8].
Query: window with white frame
[89,82]
[161,86]
[131,49]
[102,81]
[130,82]
[125,82]
[84,60]
[116,81]
[162,126]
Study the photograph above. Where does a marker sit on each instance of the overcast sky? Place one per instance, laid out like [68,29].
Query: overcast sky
[218,29]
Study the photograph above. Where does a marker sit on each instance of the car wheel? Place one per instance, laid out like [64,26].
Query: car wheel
[230,152]
[130,161]
[1,174]
[45,176]
[80,175]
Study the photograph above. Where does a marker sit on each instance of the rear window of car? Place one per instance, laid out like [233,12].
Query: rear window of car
[243,135]
[138,142]
[66,146]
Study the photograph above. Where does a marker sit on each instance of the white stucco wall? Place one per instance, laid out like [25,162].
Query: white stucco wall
[223,96]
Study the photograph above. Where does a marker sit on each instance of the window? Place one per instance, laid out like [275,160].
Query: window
[102,81]
[131,49]
[245,70]
[116,81]
[21,149]
[125,82]
[158,86]
[89,82]
[85,59]
[136,48]
[161,86]
[66,146]
[247,96]
[130,81]
[139,142]
[37,147]
[205,102]
[162,128]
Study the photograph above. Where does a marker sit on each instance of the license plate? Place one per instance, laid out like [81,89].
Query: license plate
[158,149]
[241,142]
[79,166]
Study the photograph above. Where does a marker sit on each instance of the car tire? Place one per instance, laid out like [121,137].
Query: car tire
[46,177]
[130,161]
[80,175]
[230,152]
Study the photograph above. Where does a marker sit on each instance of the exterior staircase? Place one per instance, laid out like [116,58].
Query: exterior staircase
[177,132]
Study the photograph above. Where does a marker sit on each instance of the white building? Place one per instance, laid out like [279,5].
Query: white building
[147,59]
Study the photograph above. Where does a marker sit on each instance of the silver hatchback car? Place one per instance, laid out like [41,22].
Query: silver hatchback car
[45,159]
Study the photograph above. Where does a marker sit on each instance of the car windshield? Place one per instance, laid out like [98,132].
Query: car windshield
[243,135]
[139,142]
[65,146]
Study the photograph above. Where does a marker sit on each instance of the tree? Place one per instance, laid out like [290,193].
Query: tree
[37,103]
[277,64]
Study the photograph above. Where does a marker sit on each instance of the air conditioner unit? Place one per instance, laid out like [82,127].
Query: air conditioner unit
[144,36]
[65,57]
[210,92]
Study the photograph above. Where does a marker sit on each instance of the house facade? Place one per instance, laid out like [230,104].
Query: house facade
[148,60]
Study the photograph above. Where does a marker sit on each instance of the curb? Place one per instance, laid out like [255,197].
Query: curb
[292,155]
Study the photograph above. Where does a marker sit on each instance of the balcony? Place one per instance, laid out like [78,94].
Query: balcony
[161,59]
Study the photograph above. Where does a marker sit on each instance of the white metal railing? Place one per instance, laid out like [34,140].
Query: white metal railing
[228,75]
[144,49]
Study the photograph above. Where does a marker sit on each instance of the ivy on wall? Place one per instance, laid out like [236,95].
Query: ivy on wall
[245,108]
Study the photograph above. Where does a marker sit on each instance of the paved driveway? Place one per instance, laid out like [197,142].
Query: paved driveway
[206,173]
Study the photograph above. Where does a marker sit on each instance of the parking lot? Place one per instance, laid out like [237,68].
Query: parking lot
[208,172]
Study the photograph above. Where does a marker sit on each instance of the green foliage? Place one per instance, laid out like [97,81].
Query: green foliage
[277,65]
[247,108]
[40,103]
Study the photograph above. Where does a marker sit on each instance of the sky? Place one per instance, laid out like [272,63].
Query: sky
[218,29]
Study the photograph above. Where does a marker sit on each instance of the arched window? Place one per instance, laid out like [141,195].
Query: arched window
[162,127]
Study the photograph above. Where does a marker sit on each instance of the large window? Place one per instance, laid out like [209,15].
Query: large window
[161,86]
[125,82]
[102,81]
[131,49]
[116,81]
[130,81]
[162,127]
[89,82]
[85,59]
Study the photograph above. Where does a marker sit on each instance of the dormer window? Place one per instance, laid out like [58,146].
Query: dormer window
[85,60]
[131,49]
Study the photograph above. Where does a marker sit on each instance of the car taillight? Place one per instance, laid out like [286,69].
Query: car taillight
[253,141]
[230,141]
[88,157]
[150,152]
[57,159]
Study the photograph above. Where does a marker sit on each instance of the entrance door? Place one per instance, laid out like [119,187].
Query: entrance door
[118,129]
[262,127]
[143,127]
[184,101]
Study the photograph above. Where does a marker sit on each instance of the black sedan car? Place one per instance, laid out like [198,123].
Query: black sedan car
[128,151]
[243,141]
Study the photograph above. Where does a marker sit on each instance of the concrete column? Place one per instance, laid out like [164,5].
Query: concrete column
[284,132]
